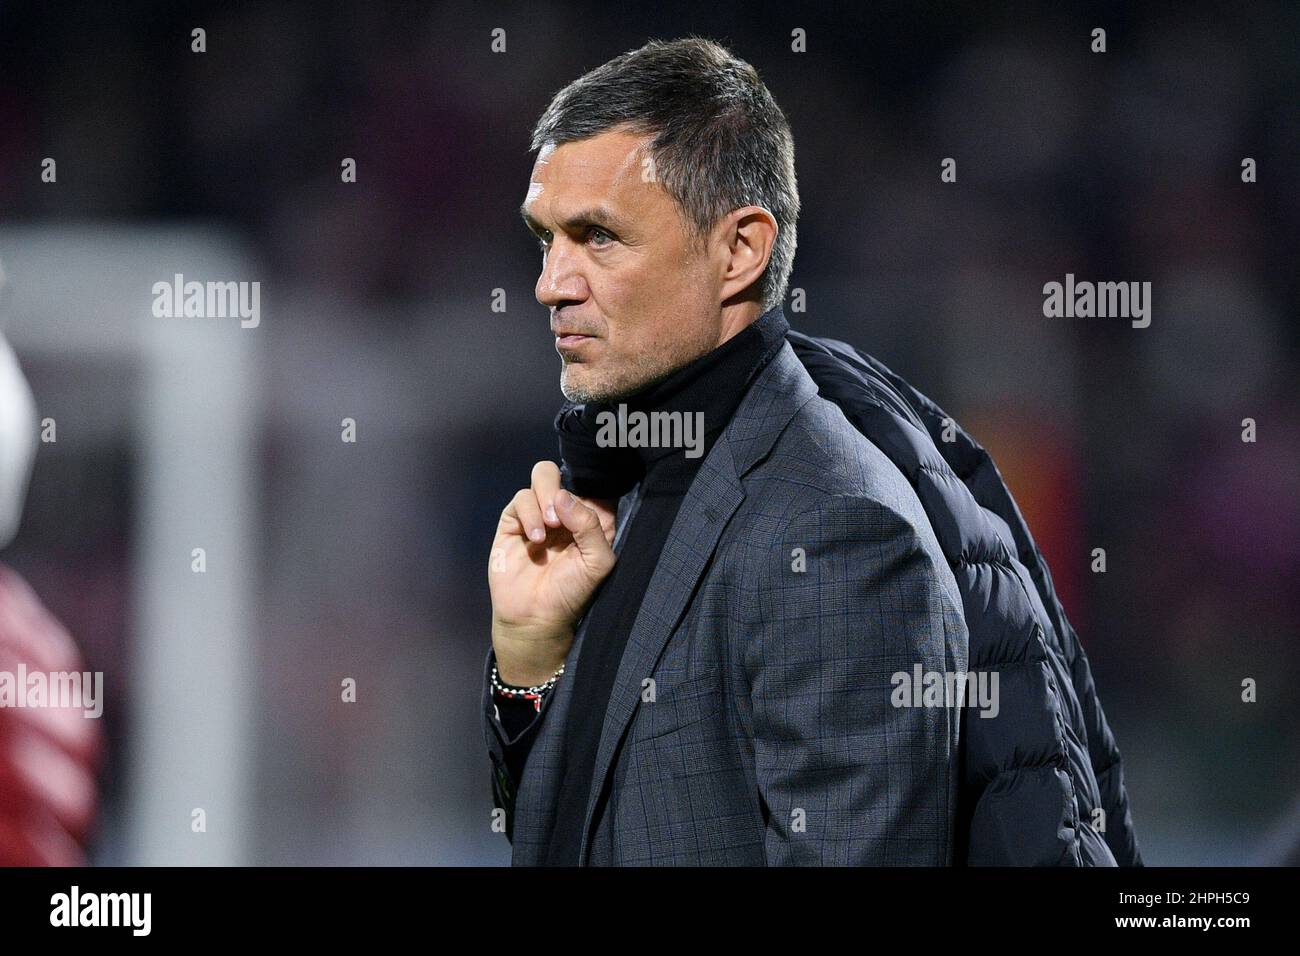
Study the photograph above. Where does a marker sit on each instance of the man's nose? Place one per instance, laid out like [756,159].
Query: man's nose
[561,280]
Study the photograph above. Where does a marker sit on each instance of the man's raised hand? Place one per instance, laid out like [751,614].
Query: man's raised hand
[551,551]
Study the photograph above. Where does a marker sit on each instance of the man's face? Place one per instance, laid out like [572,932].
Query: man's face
[631,295]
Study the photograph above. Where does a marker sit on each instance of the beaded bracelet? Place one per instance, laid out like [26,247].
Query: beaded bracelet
[534,693]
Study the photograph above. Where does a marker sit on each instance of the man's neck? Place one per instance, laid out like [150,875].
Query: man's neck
[737,317]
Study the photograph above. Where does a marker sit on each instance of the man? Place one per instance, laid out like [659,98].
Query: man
[701,620]
[726,699]
[48,755]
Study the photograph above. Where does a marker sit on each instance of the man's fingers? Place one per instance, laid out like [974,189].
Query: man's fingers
[546,482]
[587,532]
[535,510]
[606,510]
[525,509]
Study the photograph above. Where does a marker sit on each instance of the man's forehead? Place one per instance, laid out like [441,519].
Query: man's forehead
[607,165]
[607,154]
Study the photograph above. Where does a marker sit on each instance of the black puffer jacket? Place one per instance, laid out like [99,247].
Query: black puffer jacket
[1033,777]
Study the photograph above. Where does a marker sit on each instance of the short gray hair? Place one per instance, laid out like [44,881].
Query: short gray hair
[719,139]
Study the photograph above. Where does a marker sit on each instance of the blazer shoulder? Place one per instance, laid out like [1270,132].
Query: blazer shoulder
[824,473]
[820,455]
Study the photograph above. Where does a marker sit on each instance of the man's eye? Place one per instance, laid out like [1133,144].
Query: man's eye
[596,230]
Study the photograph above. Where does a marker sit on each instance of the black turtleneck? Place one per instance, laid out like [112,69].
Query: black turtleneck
[713,384]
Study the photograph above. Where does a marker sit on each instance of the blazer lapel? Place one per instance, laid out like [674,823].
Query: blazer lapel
[716,492]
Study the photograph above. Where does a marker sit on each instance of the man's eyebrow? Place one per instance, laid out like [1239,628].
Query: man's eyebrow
[592,216]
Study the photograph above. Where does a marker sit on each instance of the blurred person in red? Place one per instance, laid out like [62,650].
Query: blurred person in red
[48,754]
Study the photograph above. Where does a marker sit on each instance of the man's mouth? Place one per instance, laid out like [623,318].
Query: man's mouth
[569,339]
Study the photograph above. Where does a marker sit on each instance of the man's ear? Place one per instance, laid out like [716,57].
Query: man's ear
[749,233]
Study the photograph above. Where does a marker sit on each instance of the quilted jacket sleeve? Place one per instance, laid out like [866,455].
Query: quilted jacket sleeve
[1053,739]
[978,471]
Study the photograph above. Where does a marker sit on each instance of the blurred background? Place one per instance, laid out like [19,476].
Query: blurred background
[329,560]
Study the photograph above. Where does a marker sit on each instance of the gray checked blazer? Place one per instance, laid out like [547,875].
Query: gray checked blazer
[751,720]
